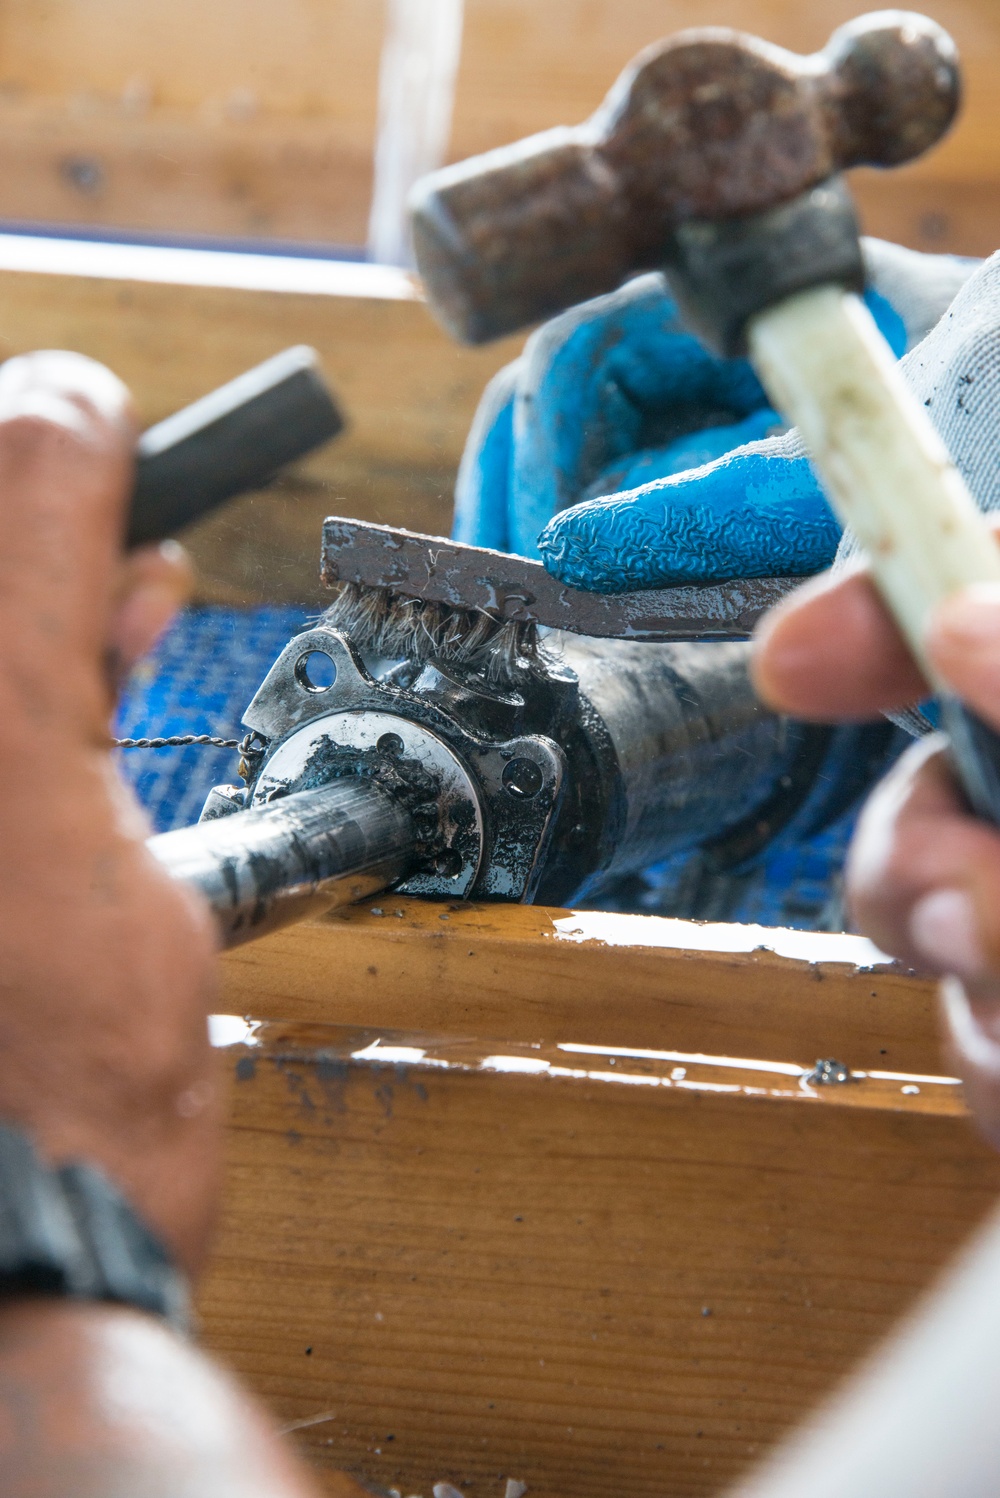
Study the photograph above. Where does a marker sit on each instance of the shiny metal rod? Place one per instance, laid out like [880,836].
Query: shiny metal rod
[263,868]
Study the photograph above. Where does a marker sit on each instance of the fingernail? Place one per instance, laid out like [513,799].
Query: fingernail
[944,929]
[971,618]
[51,382]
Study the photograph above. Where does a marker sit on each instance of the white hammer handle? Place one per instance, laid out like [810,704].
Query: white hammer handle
[888,476]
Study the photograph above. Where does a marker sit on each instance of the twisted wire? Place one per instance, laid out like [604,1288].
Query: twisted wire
[178,741]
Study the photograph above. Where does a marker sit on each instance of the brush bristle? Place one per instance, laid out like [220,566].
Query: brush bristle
[415,629]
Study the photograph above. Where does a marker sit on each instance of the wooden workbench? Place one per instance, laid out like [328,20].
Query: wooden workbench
[514,1193]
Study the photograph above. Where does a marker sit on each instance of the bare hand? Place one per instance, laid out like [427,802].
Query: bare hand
[923,876]
[106,966]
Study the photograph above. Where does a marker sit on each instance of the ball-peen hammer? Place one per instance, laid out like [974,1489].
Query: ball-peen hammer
[716,158]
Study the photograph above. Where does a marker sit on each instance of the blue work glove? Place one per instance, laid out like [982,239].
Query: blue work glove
[616,399]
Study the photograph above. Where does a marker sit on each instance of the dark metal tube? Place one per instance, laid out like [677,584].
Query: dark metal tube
[263,868]
[683,741]
[235,439]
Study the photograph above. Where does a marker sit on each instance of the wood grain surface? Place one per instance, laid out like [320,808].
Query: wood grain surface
[260,120]
[516,973]
[590,1271]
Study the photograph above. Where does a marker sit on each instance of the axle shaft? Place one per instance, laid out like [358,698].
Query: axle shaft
[263,868]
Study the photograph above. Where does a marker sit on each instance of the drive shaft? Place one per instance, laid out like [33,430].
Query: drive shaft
[262,868]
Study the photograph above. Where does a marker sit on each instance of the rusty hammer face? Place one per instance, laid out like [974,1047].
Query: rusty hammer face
[714,157]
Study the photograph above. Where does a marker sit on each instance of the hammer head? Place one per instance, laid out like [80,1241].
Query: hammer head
[707,125]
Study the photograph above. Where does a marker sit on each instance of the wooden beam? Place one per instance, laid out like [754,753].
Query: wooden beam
[174,173]
[525,973]
[589,1272]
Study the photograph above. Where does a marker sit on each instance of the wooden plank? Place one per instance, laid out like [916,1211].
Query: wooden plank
[222,120]
[471,1261]
[526,67]
[912,207]
[167,172]
[526,973]
[409,392]
[298,57]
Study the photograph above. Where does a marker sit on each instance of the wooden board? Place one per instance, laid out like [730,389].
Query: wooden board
[261,121]
[526,973]
[227,119]
[471,1260]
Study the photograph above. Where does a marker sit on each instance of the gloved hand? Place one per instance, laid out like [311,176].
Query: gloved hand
[615,399]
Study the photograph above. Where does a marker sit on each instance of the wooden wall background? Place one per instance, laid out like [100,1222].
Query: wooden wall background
[257,117]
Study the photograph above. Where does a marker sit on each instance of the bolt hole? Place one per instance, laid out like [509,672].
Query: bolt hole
[522,779]
[390,744]
[448,863]
[316,671]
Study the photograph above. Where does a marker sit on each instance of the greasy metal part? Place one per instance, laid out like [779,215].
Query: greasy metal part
[472,578]
[828,1072]
[235,439]
[681,750]
[618,754]
[709,124]
[277,863]
[311,751]
[483,832]
[222,801]
[608,756]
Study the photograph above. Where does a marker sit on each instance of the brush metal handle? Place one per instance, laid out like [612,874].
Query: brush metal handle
[406,565]
[886,472]
[233,440]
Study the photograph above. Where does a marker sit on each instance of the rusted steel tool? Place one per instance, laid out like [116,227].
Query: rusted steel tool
[701,134]
[715,158]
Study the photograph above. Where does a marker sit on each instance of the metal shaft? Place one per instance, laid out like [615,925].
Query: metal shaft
[685,749]
[263,868]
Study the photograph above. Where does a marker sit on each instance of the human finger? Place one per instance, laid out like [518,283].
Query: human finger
[153,583]
[963,643]
[831,652]
[66,460]
[971,1012]
[923,874]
